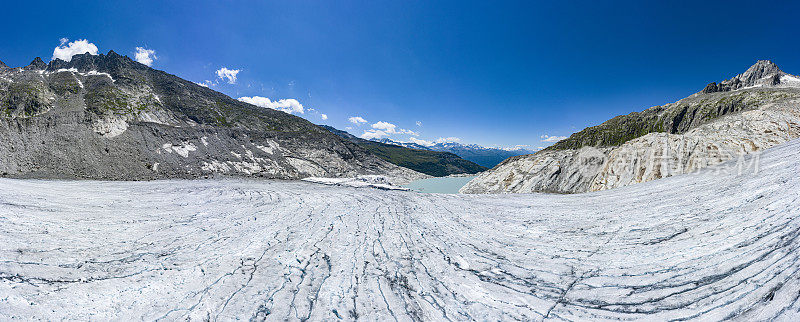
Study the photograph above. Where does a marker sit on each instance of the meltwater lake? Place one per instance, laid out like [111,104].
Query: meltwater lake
[439,185]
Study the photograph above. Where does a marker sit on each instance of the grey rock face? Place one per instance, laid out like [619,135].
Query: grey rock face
[706,129]
[108,117]
[37,64]
[763,72]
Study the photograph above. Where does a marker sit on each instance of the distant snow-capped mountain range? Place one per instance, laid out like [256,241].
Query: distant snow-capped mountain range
[485,156]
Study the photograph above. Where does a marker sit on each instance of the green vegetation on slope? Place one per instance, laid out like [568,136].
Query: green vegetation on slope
[673,118]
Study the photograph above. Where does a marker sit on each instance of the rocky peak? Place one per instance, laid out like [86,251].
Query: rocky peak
[113,54]
[37,63]
[2,64]
[762,73]
[761,69]
[86,62]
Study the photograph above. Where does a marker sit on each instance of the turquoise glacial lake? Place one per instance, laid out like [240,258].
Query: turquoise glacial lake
[439,185]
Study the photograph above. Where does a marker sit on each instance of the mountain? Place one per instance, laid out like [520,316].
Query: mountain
[109,117]
[747,113]
[403,144]
[484,156]
[426,161]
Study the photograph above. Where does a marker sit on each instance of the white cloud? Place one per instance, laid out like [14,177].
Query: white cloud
[288,105]
[206,83]
[390,128]
[357,120]
[547,138]
[448,140]
[374,134]
[65,51]
[385,126]
[145,56]
[380,129]
[229,74]
[323,116]
[419,123]
[420,142]
[516,147]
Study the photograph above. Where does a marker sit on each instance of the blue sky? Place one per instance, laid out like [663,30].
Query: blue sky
[492,73]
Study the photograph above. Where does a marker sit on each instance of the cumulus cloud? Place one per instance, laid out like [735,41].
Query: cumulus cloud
[383,129]
[451,139]
[205,83]
[385,126]
[288,105]
[374,134]
[227,74]
[67,49]
[547,138]
[323,116]
[145,56]
[357,120]
[516,147]
[419,141]
[390,128]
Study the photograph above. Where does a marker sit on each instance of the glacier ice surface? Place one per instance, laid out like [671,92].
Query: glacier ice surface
[711,245]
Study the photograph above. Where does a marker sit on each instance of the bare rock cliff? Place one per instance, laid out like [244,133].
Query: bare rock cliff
[748,113]
[109,117]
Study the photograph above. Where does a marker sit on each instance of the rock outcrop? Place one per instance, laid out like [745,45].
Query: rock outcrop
[747,113]
[763,73]
[109,117]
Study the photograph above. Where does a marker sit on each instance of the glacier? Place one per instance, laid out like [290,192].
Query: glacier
[721,243]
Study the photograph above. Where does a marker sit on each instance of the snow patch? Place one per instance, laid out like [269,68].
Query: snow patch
[182,150]
[75,71]
[790,80]
[68,70]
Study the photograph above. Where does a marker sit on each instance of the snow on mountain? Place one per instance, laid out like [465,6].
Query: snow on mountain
[485,156]
[717,244]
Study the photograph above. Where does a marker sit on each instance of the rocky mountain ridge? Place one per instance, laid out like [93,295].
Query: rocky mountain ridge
[430,162]
[745,114]
[763,73]
[109,117]
[484,156]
